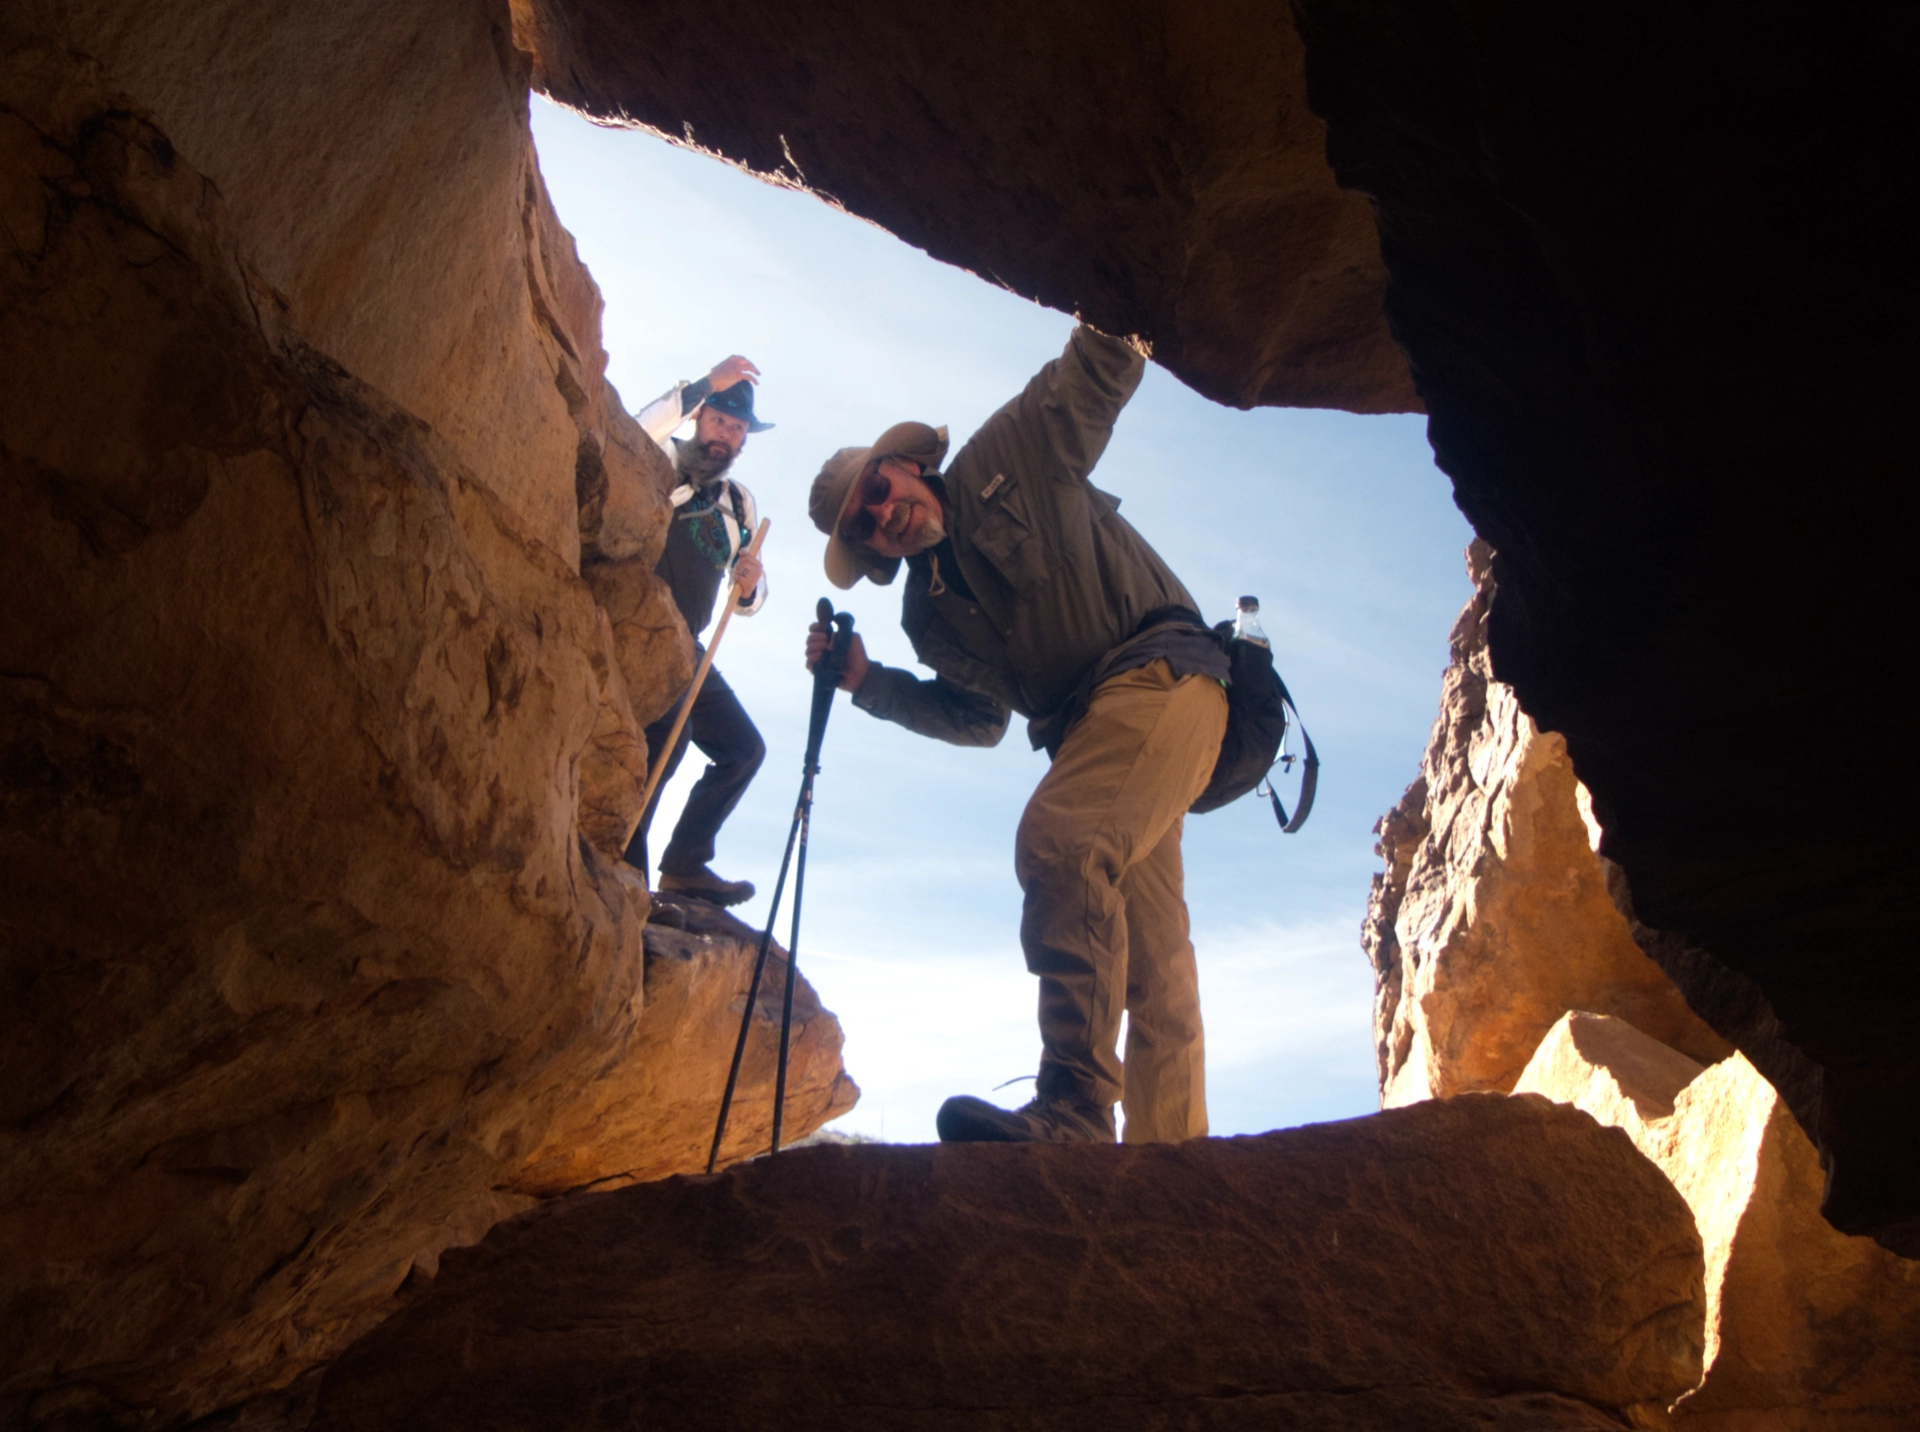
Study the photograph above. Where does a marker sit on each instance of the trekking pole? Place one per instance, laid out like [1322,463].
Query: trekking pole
[826,680]
[699,677]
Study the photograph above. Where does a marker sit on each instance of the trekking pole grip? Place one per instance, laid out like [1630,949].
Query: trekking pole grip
[840,624]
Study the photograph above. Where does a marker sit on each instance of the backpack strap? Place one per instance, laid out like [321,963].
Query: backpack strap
[1309,774]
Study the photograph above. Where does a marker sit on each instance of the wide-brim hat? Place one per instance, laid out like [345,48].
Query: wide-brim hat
[834,492]
[737,402]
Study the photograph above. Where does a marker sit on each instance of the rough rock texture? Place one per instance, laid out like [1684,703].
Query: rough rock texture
[1368,1274]
[316,750]
[1651,267]
[1730,1002]
[662,1099]
[1150,165]
[326,633]
[378,174]
[1806,1328]
[1494,916]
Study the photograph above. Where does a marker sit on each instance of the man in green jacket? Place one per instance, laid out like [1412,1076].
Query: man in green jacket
[1027,591]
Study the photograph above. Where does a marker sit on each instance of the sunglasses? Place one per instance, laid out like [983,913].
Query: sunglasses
[875,489]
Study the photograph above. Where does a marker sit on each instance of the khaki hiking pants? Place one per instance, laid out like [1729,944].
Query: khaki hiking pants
[1105,920]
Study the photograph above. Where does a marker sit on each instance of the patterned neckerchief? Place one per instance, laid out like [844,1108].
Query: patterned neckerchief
[708,522]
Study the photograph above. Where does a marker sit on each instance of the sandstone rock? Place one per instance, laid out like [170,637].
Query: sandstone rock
[374,163]
[659,1101]
[1369,1274]
[1806,1328]
[1735,1006]
[1494,912]
[1664,349]
[650,641]
[1494,917]
[313,744]
[1151,165]
[313,740]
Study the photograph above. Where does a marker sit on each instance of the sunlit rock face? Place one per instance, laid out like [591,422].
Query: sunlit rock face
[1650,267]
[1369,1274]
[317,749]
[1493,919]
[1151,165]
[659,1103]
[1493,916]
[1806,1328]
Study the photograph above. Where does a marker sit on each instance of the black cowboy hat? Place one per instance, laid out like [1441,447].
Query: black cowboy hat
[737,402]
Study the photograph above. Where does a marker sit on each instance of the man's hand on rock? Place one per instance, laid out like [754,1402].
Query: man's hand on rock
[820,637]
[747,572]
[733,370]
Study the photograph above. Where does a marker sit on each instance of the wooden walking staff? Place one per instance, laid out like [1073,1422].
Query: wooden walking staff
[700,673]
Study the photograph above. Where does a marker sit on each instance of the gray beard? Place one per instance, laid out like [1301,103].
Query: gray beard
[934,532]
[695,466]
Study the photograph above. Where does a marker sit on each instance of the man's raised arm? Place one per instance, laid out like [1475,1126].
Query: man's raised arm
[664,414]
[1061,422]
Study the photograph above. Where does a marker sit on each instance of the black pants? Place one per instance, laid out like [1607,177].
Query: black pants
[726,736]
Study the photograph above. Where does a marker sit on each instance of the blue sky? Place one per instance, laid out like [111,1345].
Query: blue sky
[1339,524]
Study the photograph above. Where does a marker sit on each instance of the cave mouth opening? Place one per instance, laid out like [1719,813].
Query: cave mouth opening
[325,972]
[1338,522]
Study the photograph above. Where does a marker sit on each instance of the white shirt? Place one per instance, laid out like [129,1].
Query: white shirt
[659,420]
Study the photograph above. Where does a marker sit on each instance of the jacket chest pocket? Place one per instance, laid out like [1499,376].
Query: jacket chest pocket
[1007,537]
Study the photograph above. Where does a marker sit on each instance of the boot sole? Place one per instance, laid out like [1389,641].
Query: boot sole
[722,898]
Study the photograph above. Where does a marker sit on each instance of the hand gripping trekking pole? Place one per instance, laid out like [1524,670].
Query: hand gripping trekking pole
[826,679]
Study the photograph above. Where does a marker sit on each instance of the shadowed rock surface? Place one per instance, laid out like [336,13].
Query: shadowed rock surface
[1650,267]
[1494,913]
[1149,165]
[328,628]
[1369,1274]
[316,750]
[661,1100]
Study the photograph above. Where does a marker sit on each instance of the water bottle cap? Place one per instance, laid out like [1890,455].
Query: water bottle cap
[1249,604]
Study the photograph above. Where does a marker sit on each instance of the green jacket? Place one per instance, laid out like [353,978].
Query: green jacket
[1059,577]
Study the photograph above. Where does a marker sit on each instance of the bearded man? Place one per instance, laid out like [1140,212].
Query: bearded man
[1027,591]
[713,521]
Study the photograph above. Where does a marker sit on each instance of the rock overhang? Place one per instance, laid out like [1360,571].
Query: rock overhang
[1152,167]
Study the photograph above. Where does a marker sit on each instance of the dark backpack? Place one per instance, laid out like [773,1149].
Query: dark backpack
[1257,705]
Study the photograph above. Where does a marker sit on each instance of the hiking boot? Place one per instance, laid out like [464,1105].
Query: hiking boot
[964,1119]
[703,884]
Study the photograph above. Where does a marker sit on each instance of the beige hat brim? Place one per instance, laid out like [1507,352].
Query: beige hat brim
[836,488]
[844,568]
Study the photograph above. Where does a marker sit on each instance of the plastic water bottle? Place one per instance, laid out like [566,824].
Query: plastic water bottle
[1246,626]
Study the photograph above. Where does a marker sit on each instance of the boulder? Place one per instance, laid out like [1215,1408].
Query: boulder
[1477,1263]
[1494,915]
[660,1100]
[1807,1329]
